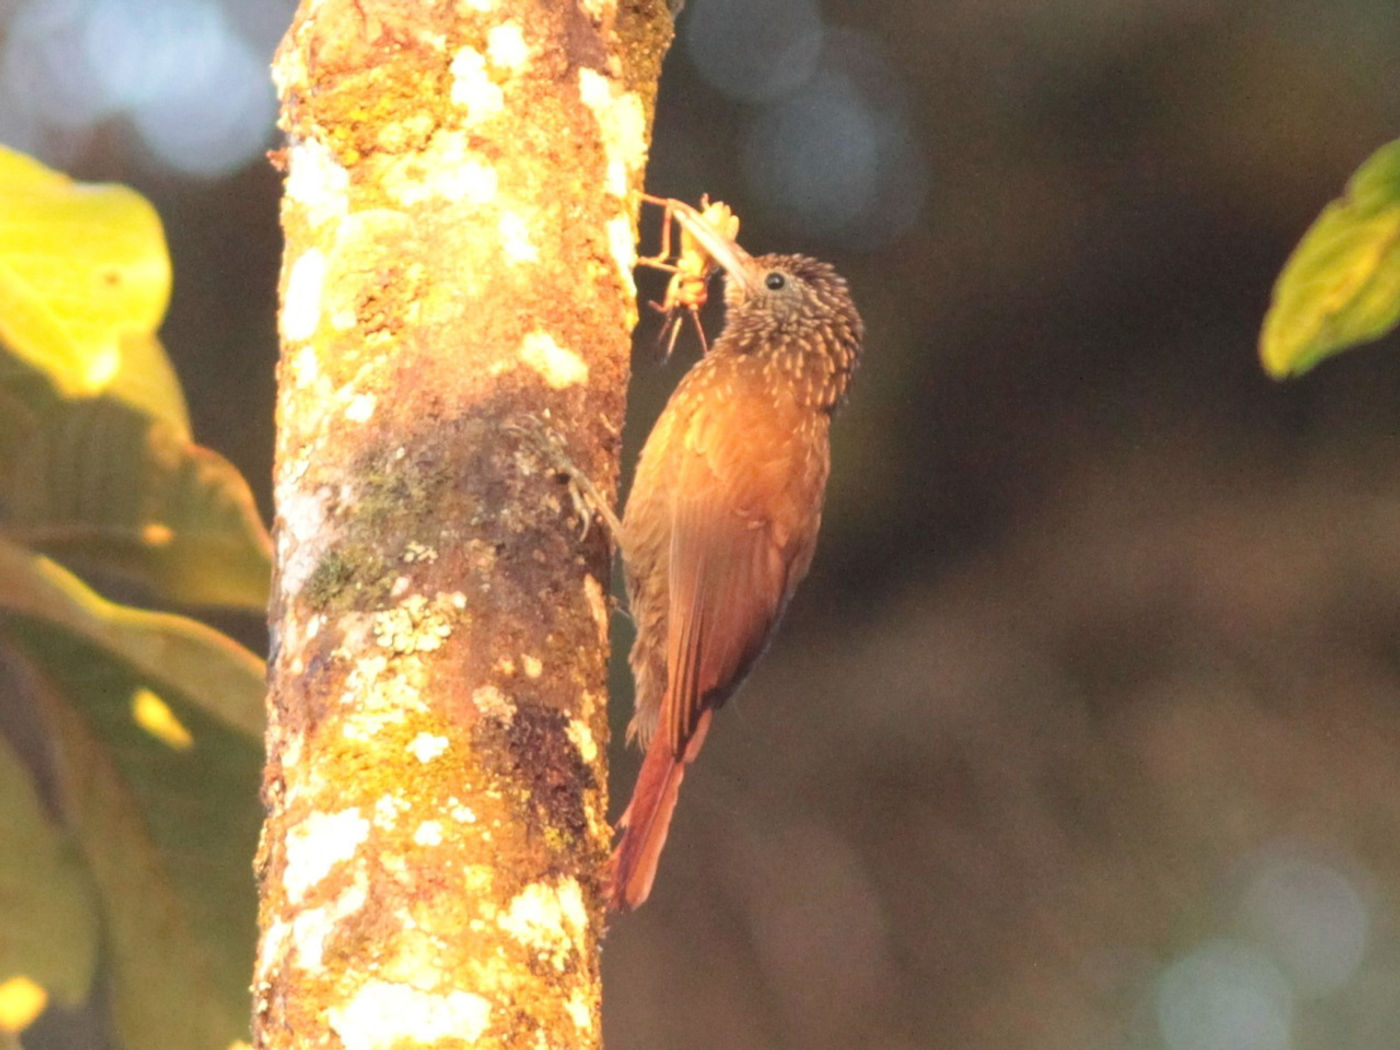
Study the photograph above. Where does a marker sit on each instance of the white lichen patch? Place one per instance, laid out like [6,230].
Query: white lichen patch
[355,631]
[559,366]
[590,702]
[289,73]
[317,844]
[579,1010]
[597,605]
[549,919]
[428,833]
[387,809]
[304,779]
[379,696]
[301,304]
[447,168]
[366,726]
[516,245]
[459,812]
[493,703]
[382,1014]
[312,926]
[622,247]
[532,665]
[616,179]
[413,551]
[600,11]
[306,366]
[317,181]
[621,123]
[301,538]
[416,956]
[293,744]
[360,408]
[415,625]
[427,746]
[473,88]
[270,949]
[506,47]
[622,126]
[582,738]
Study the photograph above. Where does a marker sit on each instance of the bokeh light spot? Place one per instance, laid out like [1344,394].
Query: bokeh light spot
[21,1001]
[754,50]
[212,118]
[1224,996]
[1310,917]
[197,91]
[837,158]
[139,49]
[154,715]
[46,65]
[814,156]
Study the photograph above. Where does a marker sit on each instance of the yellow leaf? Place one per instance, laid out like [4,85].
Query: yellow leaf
[84,284]
[1341,285]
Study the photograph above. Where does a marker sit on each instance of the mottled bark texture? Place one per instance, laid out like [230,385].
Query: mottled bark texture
[459,217]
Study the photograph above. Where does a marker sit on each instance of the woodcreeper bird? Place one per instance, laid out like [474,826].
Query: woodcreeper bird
[721,523]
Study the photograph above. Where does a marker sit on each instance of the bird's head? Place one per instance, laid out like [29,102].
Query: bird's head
[788,305]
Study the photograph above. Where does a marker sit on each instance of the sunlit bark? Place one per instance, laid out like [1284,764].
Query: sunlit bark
[459,218]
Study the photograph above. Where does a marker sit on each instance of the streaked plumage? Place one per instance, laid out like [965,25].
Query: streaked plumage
[722,520]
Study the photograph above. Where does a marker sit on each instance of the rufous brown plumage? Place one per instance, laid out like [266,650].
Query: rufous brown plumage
[721,523]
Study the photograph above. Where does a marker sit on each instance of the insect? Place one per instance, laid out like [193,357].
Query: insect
[692,266]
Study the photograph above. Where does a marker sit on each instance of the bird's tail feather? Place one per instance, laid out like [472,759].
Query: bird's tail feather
[647,820]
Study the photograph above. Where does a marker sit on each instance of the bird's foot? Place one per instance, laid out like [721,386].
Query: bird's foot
[586,498]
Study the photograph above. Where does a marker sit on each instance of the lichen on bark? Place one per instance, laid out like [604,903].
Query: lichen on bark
[459,219]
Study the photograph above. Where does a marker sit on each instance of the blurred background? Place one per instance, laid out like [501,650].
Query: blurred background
[1085,730]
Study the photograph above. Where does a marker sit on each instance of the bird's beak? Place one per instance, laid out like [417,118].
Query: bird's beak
[738,263]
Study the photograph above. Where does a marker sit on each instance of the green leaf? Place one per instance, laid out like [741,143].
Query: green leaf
[166,834]
[147,381]
[47,906]
[153,721]
[1341,285]
[150,723]
[100,486]
[109,483]
[84,284]
[176,653]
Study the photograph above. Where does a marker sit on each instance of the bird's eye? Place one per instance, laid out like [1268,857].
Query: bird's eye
[775,281]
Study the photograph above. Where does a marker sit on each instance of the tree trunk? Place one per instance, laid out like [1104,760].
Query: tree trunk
[459,217]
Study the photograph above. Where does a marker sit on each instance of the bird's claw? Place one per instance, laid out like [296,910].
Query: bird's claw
[585,498]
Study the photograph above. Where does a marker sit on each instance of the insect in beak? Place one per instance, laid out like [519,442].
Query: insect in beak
[707,241]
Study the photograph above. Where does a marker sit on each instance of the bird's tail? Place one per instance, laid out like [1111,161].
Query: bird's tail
[647,819]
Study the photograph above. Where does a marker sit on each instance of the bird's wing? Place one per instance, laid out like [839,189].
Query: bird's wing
[747,506]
